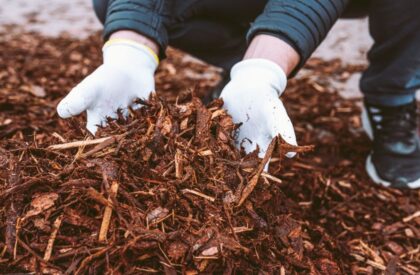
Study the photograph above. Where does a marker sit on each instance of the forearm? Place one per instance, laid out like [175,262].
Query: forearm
[146,17]
[273,49]
[303,24]
[131,35]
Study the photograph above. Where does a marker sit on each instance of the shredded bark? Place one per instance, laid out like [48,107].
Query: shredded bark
[167,191]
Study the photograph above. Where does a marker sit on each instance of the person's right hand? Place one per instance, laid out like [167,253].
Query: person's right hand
[127,74]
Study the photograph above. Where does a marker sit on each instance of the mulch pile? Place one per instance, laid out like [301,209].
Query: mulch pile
[166,191]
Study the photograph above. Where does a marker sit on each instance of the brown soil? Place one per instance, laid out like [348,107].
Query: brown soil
[167,192]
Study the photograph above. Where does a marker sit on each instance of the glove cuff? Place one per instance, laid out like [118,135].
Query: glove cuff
[127,53]
[259,70]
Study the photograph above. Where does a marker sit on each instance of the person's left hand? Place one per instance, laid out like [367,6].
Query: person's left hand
[252,98]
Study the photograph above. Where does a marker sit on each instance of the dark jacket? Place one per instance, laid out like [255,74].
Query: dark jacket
[301,23]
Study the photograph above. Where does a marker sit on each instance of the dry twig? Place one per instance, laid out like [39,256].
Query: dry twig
[108,212]
[50,245]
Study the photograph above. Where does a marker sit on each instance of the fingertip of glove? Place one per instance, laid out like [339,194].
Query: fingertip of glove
[92,128]
[291,141]
[73,104]
[63,109]
[291,155]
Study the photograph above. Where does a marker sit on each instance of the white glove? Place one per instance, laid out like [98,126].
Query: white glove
[127,74]
[252,98]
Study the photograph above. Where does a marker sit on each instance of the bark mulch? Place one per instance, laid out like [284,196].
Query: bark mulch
[166,191]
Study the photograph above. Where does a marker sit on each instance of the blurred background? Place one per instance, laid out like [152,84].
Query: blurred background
[348,40]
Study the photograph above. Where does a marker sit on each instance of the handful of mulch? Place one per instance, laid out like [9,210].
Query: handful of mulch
[164,191]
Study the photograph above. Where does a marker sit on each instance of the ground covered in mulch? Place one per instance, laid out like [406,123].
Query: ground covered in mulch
[166,191]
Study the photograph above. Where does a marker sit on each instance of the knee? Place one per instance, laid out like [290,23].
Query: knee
[100,7]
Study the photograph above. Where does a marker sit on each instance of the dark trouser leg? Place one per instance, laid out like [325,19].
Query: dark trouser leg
[213,42]
[394,72]
[213,30]
[100,7]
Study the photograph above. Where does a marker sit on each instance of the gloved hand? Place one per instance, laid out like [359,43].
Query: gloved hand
[252,98]
[126,74]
